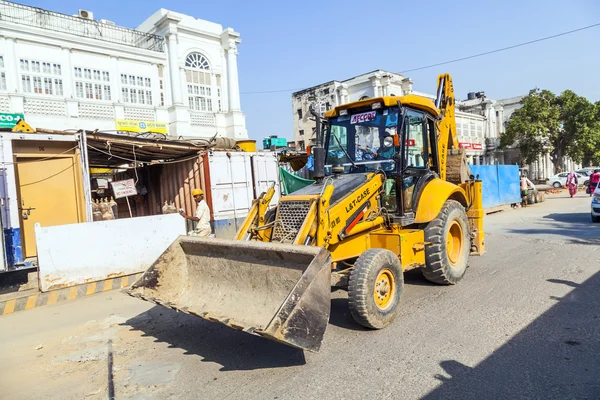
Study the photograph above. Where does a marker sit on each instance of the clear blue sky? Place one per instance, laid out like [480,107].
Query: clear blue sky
[297,44]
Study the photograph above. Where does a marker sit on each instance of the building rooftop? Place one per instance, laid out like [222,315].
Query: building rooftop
[106,31]
[380,71]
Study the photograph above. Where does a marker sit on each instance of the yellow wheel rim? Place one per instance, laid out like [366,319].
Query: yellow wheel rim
[454,242]
[385,287]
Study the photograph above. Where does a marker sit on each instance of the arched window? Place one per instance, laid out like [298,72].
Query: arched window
[199,82]
[196,61]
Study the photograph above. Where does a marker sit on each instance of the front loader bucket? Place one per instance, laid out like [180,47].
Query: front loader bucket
[278,291]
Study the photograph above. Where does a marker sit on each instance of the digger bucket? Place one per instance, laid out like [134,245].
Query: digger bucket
[278,291]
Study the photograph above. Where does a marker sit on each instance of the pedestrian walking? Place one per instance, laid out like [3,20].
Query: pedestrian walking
[202,217]
[572,183]
[594,179]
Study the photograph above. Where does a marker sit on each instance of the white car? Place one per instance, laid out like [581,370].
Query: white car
[560,180]
[596,205]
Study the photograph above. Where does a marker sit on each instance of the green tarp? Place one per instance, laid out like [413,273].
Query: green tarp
[290,182]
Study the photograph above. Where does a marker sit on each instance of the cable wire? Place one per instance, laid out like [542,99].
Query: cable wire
[457,59]
[39,159]
[143,162]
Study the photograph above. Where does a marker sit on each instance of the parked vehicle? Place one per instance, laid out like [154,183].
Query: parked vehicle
[585,172]
[560,180]
[596,205]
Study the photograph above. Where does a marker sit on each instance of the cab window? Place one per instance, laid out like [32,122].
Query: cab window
[415,142]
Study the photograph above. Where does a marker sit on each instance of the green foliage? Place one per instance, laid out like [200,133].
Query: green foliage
[565,125]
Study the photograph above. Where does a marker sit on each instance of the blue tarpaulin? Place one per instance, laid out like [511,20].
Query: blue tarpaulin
[500,184]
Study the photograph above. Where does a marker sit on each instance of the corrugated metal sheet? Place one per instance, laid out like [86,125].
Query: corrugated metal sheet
[167,182]
[500,184]
[230,180]
[265,167]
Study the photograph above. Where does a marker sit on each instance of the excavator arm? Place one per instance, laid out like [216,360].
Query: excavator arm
[451,159]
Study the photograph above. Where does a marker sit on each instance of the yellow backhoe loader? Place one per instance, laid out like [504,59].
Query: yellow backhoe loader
[393,192]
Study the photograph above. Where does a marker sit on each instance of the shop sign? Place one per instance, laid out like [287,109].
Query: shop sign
[124,188]
[128,125]
[8,121]
[472,146]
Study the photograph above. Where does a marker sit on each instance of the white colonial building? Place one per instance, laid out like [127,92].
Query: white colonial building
[331,94]
[173,73]
[470,127]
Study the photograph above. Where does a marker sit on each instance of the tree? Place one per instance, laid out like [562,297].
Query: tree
[565,125]
[535,127]
[580,125]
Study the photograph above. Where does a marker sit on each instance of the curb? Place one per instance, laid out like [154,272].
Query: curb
[65,294]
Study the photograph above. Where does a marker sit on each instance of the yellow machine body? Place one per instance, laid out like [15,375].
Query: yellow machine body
[274,278]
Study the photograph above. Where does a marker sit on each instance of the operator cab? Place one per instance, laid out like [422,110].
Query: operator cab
[386,134]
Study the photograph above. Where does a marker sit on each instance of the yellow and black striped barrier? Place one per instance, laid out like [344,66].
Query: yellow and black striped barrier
[65,294]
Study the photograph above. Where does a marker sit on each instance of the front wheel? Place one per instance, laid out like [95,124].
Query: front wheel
[375,287]
[556,185]
[447,256]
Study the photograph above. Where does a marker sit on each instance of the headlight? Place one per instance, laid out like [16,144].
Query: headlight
[595,200]
[388,141]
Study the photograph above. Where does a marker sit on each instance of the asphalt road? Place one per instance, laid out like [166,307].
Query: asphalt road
[524,323]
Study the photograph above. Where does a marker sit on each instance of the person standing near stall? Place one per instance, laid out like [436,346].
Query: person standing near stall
[202,217]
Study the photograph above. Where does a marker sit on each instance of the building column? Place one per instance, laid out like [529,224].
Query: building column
[174,68]
[11,66]
[343,92]
[67,76]
[385,85]
[232,76]
[376,83]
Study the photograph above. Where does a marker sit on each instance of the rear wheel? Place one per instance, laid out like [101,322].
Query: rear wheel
[540,197]
[375,287]
[447,256]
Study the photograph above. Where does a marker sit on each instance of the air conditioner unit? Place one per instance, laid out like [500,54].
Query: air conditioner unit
[106,22]
[86,14]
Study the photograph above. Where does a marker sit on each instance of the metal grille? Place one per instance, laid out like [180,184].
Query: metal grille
[140,114]
[290,216]
[4,104]
[39,18]
[202,119]
[44,107]
[96,111]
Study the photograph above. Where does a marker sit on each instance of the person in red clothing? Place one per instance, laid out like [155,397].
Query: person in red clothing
[594,179]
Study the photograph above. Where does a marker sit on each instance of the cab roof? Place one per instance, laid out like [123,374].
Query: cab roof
[411,100]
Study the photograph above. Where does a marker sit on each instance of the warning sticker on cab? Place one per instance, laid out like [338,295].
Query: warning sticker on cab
[363,117]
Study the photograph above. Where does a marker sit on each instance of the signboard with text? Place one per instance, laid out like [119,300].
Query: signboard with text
[124,188]
[8,121]
[470,146]
[128,125]
[363,117]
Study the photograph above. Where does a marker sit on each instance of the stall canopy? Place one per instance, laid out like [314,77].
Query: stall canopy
[112,150]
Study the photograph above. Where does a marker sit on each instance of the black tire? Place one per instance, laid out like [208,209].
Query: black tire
[371,265]
[439,267]
[556,185]
[595,219]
